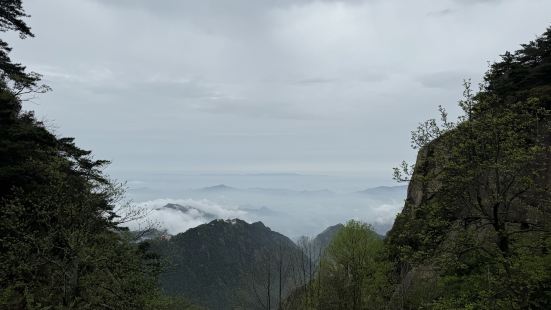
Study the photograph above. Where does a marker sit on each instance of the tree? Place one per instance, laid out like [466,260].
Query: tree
[354,271]
[272,277]
[304,269]
[61,242]
[13,75]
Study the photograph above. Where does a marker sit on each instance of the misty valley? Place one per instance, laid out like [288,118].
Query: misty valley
[294,213]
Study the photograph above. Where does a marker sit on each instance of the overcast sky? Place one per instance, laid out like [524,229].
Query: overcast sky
[252,86]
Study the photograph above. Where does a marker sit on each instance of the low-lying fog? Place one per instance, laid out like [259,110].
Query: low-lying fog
[294,205]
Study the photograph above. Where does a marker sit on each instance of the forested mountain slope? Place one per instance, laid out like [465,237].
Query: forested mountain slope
[475,229]
[228,264]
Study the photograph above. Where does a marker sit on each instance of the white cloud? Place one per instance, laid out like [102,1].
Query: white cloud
[175,221]
[291,212]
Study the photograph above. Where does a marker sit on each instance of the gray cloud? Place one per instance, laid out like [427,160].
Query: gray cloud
[444,80]
[152,84]
[477,1]
[319,80]
[443,12]
[149,90]
[275,110]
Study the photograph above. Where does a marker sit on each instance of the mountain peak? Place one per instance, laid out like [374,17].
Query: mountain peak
[188,210]
[175,206]
[234,221]
[219,187]
[214,262]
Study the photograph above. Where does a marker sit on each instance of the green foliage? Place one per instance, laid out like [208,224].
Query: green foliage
[61,244]
[352,274]
[13,75]
[480,204]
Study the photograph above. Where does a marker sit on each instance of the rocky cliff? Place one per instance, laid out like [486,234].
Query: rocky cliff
[479,196]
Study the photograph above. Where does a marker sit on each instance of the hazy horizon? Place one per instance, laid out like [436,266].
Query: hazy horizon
[291,212]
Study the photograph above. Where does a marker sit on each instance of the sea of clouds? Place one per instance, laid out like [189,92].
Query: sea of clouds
[174,221]
[292,213]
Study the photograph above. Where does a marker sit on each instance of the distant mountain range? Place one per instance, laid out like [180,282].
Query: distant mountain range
[385,190]
[217,188]
[379,192]
[386,194]
[293,212]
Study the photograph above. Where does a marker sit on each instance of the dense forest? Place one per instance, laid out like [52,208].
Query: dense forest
[474,232]
[61,242]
